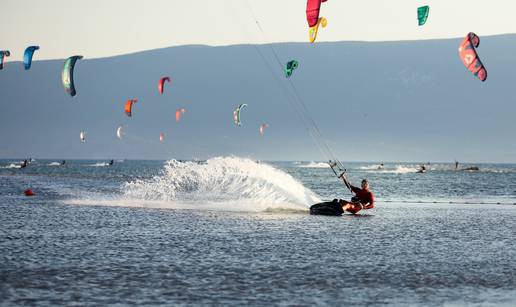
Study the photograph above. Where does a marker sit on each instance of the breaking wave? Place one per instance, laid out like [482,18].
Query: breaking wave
[226,183]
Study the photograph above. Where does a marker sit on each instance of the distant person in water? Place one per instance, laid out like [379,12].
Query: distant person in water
[456,165]
[24,164]
[63,162]
[380,166]
[111,162]
[363,199]
[422,168]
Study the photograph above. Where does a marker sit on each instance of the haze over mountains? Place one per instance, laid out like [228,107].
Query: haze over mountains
[381,101]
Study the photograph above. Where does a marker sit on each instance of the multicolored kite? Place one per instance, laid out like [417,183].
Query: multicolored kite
[313,8]
[469,56]
[161,84]
[67,74]
[236,114]
[82,135]
[422,14]
[129,106]
[290,67]
[161,137]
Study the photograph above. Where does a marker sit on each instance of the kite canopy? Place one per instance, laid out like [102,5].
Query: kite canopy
[262,128]
[161,84]
[469,56]
[82,135]
[3,55]
[161,137]
[313,8]
[27,56]
[236,114]
[67,74]
[179,112]
[129,106]
[290,67]
[422,14]
[119,132]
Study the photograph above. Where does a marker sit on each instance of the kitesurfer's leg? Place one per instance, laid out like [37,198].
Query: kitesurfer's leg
[350,207]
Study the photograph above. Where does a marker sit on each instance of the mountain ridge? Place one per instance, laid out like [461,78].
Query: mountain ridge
[405,100]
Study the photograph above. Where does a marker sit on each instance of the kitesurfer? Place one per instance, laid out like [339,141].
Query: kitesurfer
[363,199]
[456,165]
[24,164]
[111,162]
[63,162]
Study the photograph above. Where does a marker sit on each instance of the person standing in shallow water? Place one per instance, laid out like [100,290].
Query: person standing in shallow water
[363,199]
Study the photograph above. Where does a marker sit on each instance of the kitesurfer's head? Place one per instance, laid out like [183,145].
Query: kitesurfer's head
[365,184]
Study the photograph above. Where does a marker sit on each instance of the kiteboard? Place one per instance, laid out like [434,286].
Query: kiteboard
[312,32]
[333,208]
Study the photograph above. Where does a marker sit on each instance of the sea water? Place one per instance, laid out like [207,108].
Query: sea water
[233,231]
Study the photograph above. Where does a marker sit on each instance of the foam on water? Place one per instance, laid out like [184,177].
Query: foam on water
[398,169]
[100,164]
[12,165]
[54,164]
[225,183]
[372,167]
[315,165]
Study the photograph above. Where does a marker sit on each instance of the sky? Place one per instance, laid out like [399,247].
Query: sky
[99,28]
[103,29]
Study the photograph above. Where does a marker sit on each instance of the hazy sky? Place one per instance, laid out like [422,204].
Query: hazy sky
[100,28]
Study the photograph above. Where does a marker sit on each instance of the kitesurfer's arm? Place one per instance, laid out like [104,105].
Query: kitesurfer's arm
[354,189]
[345,180]
[370,203]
